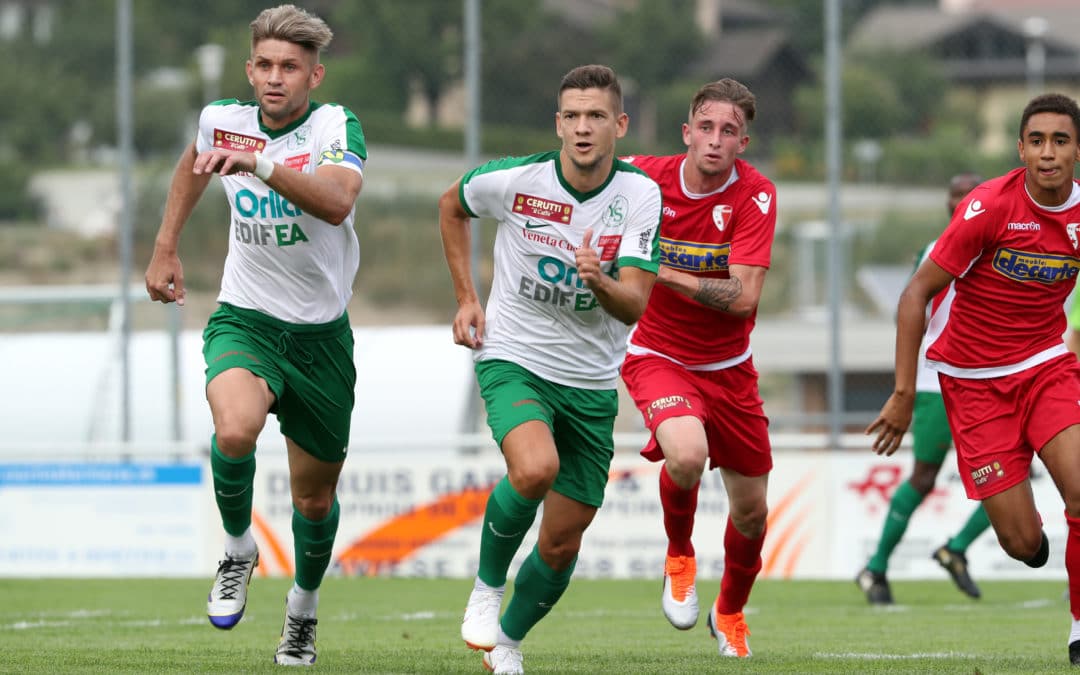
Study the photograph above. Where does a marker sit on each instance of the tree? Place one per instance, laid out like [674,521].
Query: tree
[650,46]
[416,43]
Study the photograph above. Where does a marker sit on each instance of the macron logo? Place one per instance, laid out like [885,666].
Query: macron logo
[974,208]
[763,200]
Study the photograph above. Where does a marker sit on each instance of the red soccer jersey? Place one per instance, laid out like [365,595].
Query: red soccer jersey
[1015,263]
[703,234]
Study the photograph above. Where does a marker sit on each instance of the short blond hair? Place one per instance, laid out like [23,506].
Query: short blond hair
[291,24]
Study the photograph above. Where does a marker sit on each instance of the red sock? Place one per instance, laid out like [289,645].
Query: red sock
[742,562]
[1072,564]
[679,508]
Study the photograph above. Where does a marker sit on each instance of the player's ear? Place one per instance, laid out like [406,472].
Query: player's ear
[317,74]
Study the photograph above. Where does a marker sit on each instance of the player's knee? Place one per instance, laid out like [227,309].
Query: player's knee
[314,507]
[750,519]
[235,440]
[923,477]
[1020,544]
[685,464]
[533,479]
[559,554]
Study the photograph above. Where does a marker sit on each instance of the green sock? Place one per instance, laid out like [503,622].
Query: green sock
[506,521]
[234,481]
[537,588]
[313,546]
[976,524]
[903,503]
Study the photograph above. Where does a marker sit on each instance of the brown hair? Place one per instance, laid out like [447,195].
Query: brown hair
[291,24]
[1051,103]
[592,77]
[729,90]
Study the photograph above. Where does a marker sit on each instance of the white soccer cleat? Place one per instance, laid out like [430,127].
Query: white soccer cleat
[228,596]
[504,660]
[480,627]
[297,645]
[680,595]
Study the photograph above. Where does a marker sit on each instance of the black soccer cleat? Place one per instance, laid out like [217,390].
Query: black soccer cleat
[955,564]
[875,586]
[1074,653]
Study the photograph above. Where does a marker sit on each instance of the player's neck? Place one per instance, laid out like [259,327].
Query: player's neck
[585,179]
[702,183]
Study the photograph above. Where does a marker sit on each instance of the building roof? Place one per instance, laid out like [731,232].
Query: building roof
[747,53]
[907,28]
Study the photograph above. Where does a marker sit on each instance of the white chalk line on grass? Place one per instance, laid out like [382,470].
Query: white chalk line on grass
[863,656]
[45,620]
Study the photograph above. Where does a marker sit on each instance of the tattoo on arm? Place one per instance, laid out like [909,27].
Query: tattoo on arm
[718,293]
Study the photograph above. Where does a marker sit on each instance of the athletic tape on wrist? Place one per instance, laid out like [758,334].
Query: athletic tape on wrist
[263,167]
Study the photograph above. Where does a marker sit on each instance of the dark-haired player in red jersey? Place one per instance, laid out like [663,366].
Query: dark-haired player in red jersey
[1009,257]
[688,365]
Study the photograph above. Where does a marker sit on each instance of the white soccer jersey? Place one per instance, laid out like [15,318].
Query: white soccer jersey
[282,261]
[539,314]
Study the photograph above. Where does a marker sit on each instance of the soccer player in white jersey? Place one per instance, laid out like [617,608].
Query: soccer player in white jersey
[280,341]
[576,256]
[1009,258]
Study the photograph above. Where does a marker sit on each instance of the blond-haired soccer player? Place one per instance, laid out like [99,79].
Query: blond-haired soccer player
[280,341]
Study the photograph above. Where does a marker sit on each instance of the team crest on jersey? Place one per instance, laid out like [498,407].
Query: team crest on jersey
[230,140]
[721,216]
[1071,230]
[538,207]
[1041,267]
[298,162]
[615,212]
[299,138]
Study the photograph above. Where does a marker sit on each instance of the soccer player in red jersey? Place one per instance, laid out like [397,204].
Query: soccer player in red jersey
[1009,259]
[689,367]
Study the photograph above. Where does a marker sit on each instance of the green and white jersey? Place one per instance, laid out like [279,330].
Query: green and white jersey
[539,314]
[282,261]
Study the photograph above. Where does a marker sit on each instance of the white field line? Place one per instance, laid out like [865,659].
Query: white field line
[866,656]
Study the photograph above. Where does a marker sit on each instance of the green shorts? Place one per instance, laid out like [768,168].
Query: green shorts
[309,367]
[581,421]
[930,428]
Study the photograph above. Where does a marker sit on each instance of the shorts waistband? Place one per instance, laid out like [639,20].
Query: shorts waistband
[301,330]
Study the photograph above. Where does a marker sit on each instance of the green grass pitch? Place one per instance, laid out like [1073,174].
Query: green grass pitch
[388,625]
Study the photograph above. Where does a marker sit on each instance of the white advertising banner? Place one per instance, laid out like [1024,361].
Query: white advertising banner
[416,514]
[97,520]
[419,514]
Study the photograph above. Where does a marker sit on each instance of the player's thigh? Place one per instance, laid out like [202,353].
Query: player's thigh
[747,496]
[1015,518]
[312,481]
[239,397]
[1062,459]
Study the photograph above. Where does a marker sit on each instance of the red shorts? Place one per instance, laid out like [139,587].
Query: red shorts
[726,401]
[998,424]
